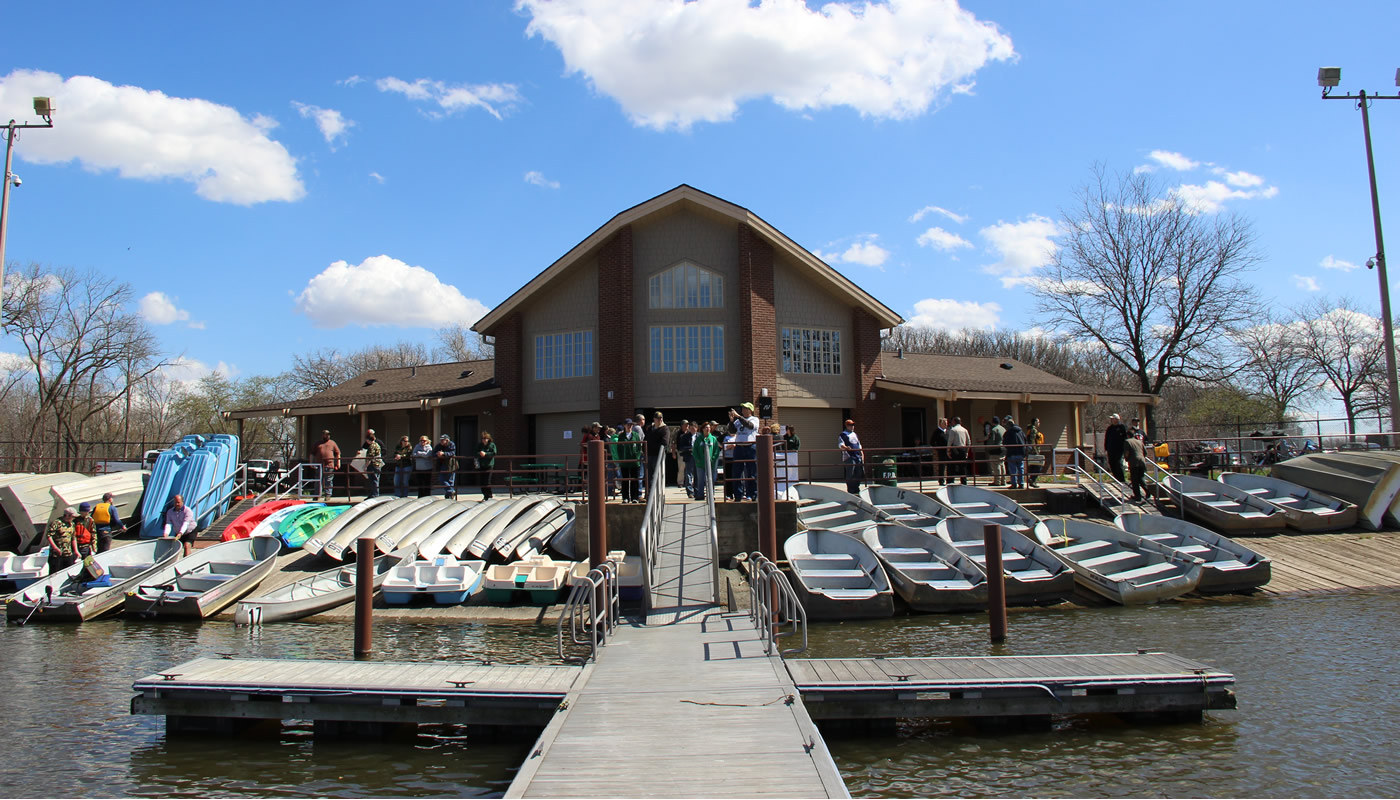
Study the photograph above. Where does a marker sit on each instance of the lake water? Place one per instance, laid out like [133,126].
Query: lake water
[1317,680]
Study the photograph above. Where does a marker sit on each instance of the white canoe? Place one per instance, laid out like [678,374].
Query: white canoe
[207,581]
[370,524]
[519,528]
[1033,574]
[927,572]
[310,595]
[28,501]
[985,505]
[837,576]
[434,543]
[442,515]
[824,508]
[1229,566]
[543,533]
[327,532]
[908,507]
[388,539]
[481,545]
[70,596]
[457,544]
[126,488]
[1303,509]
[1122,567]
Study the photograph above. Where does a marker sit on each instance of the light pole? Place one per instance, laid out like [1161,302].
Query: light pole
[44,108]
[1328,78]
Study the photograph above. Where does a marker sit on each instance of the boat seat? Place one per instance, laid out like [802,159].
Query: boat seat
[200,583]
[1083,547]
[174,595]
[1160,537]
[1283,501]
[820,505]
[903,551]
[1192,549]
[1109,559]
[1032,574]
[1227,566]
[123,571]
[976,504]
[986,515]
[833,573]
[1143,572]
[1255,514]
[827,557]
[232,567]
[1198,495]
[847,594]
[950,585]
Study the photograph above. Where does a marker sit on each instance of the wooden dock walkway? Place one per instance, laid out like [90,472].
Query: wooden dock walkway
[1330,562]
[685,704]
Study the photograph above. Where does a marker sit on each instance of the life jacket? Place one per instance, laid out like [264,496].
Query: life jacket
[102,515]
[82,535]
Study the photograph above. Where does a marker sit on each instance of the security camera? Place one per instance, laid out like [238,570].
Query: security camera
[14,180]
[1370,262]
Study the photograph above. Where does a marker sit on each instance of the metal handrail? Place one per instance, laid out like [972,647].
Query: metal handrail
[234,483]
[714,531]
[296,481]
[652,518]
[1113,488]
[774,607]
[588,621]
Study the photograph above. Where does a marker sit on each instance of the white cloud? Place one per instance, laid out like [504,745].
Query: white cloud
[1168,159]
[332,124]
[149,135]
[864,252]
[1243,179]
[939,239]
[926,210]
[1332,262]
[384,291]
[672,64]
[538,179]
[1211,198]
[377,177]
[158,308]
[190,371]
[1022,246]
[353,80]
[493,98]
[1307,283]
[955,315]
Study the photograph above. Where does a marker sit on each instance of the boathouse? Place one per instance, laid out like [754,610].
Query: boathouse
[689,304]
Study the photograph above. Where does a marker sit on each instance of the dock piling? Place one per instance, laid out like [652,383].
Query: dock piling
[597,505]
[364,597]
[996,583]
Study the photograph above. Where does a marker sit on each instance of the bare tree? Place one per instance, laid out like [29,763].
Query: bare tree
[1277,368]
[1150,279]
[457,342]
[1345,345]
[325,369]
[84,348]
[1078,362]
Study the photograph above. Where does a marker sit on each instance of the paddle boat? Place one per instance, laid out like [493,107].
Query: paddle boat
[445,580]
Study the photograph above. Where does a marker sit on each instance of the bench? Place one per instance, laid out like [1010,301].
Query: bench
[833,573]
[126,571]
[200,583]
[1143,572]
[848,594]
[1109,559]
[1083,547]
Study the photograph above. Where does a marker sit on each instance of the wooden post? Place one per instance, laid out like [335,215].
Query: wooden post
[364,597]
[767,500]
[597,504]
[996,583]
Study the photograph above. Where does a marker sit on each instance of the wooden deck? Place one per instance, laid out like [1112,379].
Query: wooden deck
[1330,562]
[685,705]
[999,686]
[363,691]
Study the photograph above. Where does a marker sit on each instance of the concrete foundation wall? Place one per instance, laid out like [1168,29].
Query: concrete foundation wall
[737,527]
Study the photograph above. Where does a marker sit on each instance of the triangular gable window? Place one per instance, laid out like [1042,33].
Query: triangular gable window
[686,286]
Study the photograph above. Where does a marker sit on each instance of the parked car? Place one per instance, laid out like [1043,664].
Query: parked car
[258,469]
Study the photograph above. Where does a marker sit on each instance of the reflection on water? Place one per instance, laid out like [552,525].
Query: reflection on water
[68,701]
[1317,680]
[1312,674]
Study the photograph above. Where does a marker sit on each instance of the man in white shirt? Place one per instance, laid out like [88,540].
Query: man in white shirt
[958,442]
[852,456]
[745,427]
[179,522]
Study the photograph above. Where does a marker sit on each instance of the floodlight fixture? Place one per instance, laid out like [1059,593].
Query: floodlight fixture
[1328,77]
[43,106]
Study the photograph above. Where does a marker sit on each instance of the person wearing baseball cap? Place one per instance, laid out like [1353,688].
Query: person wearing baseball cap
[1114,438]
[851,456]
[59,536]
[446,456]
[745,461]
[629,459]
[374,463]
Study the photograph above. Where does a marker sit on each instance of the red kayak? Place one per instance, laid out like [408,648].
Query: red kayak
[242,527]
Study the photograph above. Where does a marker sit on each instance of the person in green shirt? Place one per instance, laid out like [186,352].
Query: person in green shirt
[629,459]
[485,463]
[790,441]
[705,451]
[610,439]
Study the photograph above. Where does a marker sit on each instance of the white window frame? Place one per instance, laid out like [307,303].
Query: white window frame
[568,354]
[685,285]
[810,351]
[686,348]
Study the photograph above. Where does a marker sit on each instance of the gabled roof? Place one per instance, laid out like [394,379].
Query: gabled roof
[685,194]
[985,374]
[399,387]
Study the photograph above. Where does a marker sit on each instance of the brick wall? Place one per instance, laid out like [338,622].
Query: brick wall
[614,337]
[507,423]
[865,343]
[758,326]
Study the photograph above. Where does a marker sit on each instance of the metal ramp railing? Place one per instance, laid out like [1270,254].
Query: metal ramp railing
[653,519]
[590,615]
[1109,487]
[293,483]
[774,607]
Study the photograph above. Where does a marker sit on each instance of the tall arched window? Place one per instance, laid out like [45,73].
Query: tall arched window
[686,286]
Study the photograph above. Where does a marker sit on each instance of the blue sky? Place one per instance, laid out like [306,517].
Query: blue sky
[274,178]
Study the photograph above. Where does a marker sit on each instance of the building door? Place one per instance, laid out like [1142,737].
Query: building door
[913,426]
[465,435]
